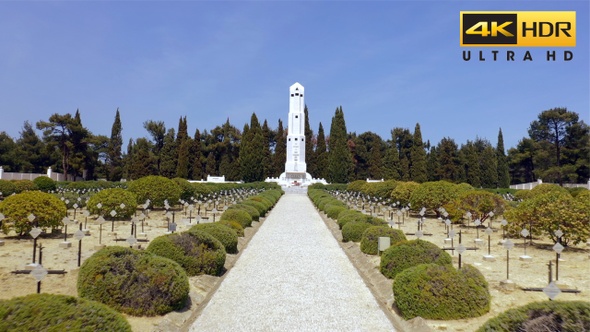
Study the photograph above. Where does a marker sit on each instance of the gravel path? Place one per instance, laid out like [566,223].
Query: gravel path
[293,276]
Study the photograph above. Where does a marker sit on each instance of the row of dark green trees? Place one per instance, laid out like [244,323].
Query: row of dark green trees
[557,150]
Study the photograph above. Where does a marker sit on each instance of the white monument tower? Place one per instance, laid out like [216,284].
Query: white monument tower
[295,167]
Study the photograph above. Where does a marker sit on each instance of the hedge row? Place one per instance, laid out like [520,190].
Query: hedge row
[425,284]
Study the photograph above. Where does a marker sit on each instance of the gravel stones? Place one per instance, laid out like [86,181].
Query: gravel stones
[293,276]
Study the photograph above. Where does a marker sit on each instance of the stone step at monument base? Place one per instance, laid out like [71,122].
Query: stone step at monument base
[525,258]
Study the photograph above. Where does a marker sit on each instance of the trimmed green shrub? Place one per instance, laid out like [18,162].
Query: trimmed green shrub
[48,211]
[111,199]
[200,189]
[51,312]
[434,291]
[566,316]
[248,207]
[155,188]
[196,251]
[236,226]
[134,282]
[7,188]
[353,231]
[370,238]
[186,189]
[225,234]
[262,205]
[409,254]
[44,183]
[237,214]
[333,210]
[352,216]
[23,185]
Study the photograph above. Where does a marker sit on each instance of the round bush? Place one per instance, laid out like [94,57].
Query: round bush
[196,251]
[236,226]
[111,199]
[566,316]
[186,189]
[333,210]
[48,211]
[261,207]
[44,183]
[352,216]
[50,312]
[370,238]
[155,188]
[409,254]
[237,214]
[252,211]
[24,185]
[225,234]
[353,231]
[7,188]
[434,291]
[134,282]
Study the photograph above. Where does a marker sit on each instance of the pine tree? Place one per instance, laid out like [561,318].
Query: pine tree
[339,158]
[321,155]
[448,161]
[280,155]
[142,162]
[115,159]
[418,172]
[211,166]
[157,130]
[30,151]
[503,171]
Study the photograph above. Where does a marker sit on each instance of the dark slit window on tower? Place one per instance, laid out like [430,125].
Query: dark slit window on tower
[295,139]
[297,93]
[289,140]
[292,95]
[296,116]
[301,95]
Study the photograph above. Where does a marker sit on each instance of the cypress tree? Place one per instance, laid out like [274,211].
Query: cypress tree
[266,157]
[376,158]
[391,162]
[115,160]
[321,155]
[309,153]
[503,171]
[169,155]
[196,164]
[403,140]
[280,155]
[418,171]
[142,162]
[471,164]
[339,158]
[251,151]
[488,167]
[183,145]
[432,164]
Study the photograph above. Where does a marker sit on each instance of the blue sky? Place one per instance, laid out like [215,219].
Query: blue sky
[388,63]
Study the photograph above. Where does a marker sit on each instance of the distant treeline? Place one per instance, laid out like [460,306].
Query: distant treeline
[557,150]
